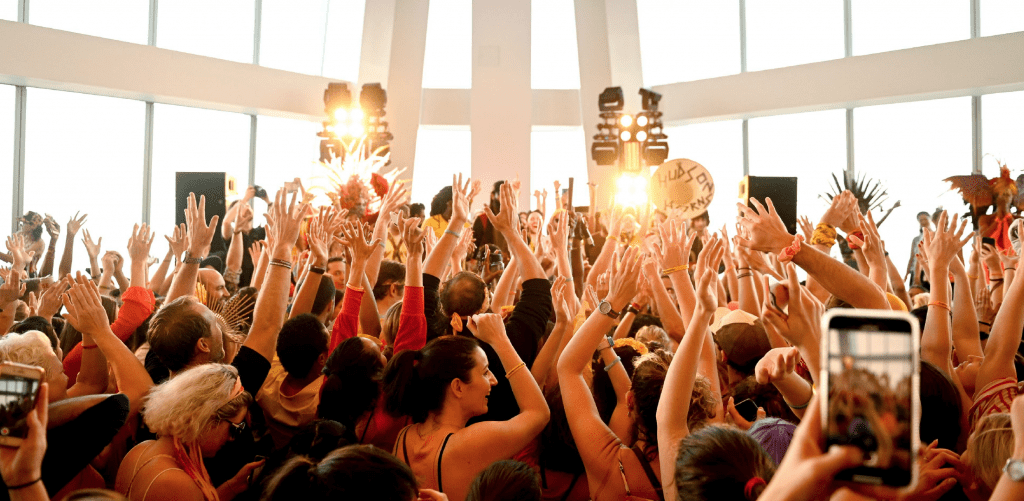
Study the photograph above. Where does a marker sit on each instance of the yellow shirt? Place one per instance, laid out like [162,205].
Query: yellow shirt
[437,223]
[287,414]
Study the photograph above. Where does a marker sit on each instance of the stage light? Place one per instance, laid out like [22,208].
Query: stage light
[641,121]
[331,129]
[356,115]
[641,136]
[336,97]
[373,98]
[631,190]
[625,135]
[340,114]
[605,152]
[611,99]
[656,153]
[650,99]
[356,130]
[626,120]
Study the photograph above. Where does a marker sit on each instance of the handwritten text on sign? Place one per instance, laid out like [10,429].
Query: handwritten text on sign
[682,184]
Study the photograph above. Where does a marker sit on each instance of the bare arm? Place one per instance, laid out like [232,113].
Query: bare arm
[1005,336]
[74,225]
[318,242]
[200,236]
[965,318]
[505,285]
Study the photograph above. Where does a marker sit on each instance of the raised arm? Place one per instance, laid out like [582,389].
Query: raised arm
[873,252]
[438,256]
[318,243]
[412,324]
[53,229]
[507,222]
[940,249]
[965,317]
[505,285]
[778,367]
[675,257]
[74,225]
[489,441]
[284,220]
[393,199]
[802,326]
[138,251]
[200,236]
[10,291]
[1004,339]
[85,312]
[345,326]
[604,259]
[674,406]
[93,250]
[236,249]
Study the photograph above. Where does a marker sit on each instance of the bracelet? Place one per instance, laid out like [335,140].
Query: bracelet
[859,235]
[804,406]
[281,262]
[452,233]
[188,259]
[518,366]
[786,255]
[669,271]
[940,304]
[22,486]
[824,234]
[357,289]
[743,268]
[318,270]
[744,275]
[382,246]
[84,347]
[617,360]
[1011,269]
[984,323]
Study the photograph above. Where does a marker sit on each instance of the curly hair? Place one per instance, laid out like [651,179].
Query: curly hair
[30,348]
[192,402]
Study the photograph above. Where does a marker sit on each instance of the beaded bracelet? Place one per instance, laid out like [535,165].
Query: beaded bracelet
[281,262]
[669,271]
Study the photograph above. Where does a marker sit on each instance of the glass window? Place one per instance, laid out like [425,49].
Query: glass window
[1001,16]
[885,25]
[1001,121]
[718,146]
[9,10]
[440,153]
[292,35]
[554,57]
[910,148]
[558,153]
[285,149]
[448,55]
[194,140]
[683,41]
[791,32]
[222,29]
[6,155]
[344,41]
[71,165]
[810,146]
[125,20]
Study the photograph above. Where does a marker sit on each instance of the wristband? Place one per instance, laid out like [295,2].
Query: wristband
[188,259]
[669,271]
[518,366]
[91,346]
[824,234]
[859,235]
[22,486]
[940,304]
[318,270]
[787,254]
[609,367]
[452,233]
[281,262]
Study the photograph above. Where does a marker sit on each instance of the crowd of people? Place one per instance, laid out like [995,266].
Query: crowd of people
[467,350]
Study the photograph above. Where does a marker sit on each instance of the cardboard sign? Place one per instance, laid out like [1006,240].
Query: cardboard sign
[682,184]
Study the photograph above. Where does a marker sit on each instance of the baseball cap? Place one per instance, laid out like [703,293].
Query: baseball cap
[742,337]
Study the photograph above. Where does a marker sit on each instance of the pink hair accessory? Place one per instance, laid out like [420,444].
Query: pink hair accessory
[787,254]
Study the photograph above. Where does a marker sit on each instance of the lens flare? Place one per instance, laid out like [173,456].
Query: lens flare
[641,121]
[340,114]
[626,120]
[631,190]
[625,136]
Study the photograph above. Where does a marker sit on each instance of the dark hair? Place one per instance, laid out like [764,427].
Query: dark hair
[643,320]
[440,201]
[391,272]
[301,341]
[940,401]
[463,294]
[416,210]
[138,337]
[766,396]
[335,259]
[497,187]
[324,295]
[415,381]
[351,472]
[40,324]
[352,387]
[716,462]
[648,379]
[174,331]
[505,480]
[605,397]
[924,213]
[558,449]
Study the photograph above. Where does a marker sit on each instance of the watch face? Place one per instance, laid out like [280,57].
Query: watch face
[604,307]
[1015,469]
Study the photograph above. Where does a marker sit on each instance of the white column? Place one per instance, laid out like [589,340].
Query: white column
[595,75]
[500,109]
[624,50]
[405,78]
[375,55]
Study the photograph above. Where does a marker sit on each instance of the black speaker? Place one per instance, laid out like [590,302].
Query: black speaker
[216,187]
[782,191]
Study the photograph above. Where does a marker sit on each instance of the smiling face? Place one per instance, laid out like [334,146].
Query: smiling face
[476,391]
[967,372]
[533,222]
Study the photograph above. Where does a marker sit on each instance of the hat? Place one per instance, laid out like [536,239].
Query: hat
[774,435]
[742,337]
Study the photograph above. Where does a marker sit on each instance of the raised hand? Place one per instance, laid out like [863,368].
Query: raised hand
[507,218]
[19,254]
[429,241]
[776,365]
[111,261]
[943,244]
[839,210]
[460,201]
[177,241]
[802,326]
[707,291]
[355,239]
[85,309]
[319,239]
[675,244]
[763,229]
[52,227]
[806,227]
[23,464]
[139,243]
[12,289]
[488,327]
[394,198]
[76,223]
[91,248]
[558,229]
[256,251]
[200,234]
[625,281]
[412,236]
[51,298]
[286,219]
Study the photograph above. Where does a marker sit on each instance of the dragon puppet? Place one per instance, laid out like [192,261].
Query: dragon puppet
[1003,193]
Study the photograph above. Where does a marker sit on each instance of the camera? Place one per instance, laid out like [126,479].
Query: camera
[260,191]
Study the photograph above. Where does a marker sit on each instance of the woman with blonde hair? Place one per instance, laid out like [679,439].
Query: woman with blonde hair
[194,414]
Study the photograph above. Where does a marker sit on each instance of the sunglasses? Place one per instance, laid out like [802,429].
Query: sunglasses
[237,430]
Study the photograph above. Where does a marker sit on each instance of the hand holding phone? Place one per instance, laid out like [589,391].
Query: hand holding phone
[23,446]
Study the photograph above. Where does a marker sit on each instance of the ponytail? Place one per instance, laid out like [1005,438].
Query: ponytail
[415,382]
[293,480]
[401,385]
[352,387]
[352,472]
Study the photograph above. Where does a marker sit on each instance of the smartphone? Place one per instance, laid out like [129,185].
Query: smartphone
[1015,239]
[988,240]
[871,367]
[19,386]
[748,409]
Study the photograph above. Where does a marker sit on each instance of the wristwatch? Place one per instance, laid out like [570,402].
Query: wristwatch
[606,308]
[632,308]
[1014,469]
[188,259]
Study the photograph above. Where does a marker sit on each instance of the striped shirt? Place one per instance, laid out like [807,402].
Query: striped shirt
[994,398]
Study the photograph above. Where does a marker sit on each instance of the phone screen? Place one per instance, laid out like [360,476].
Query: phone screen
[17,399]
[872,374]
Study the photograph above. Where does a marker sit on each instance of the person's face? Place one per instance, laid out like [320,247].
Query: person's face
[533,222]
[668,287]
[337,272]
[223,431]
[924,220]
[448,211]
[214,283]
[215,342]
[57,379]
[698,224]
[477,390]
[967,372]
[372,347]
